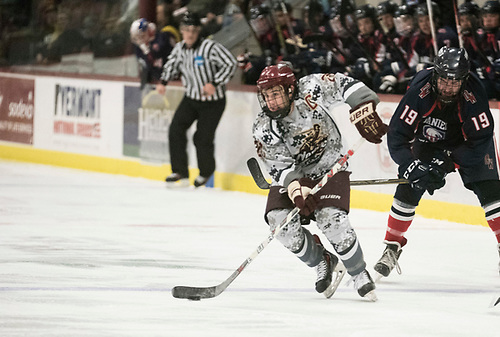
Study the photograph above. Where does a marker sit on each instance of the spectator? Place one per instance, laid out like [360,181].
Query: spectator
[369,51]
[62,41]
[488,41]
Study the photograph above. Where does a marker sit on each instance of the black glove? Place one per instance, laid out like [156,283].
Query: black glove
[417,173]
[299,193]
[439,167]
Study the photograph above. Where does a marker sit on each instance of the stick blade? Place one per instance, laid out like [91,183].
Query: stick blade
[257,175]
[193,293]
[494,302]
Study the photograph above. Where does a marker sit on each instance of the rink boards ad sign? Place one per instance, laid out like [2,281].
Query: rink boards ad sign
[77,111]
[17,109]
[80,116]
[146,121]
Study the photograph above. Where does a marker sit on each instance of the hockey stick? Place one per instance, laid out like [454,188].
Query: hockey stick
[431,21]
[457,23]
[197,293]
[262,183]
[494,302]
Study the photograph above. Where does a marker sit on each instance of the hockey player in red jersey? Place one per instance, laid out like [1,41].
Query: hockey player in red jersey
[442,123]
[298,141]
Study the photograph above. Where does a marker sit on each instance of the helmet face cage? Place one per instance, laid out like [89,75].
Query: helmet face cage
[280,77]
[450,64]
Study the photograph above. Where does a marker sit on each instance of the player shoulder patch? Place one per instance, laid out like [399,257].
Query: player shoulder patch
[469,96]
[425,90]
[328,77]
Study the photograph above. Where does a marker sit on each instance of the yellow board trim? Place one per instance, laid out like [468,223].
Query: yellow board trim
[433,209]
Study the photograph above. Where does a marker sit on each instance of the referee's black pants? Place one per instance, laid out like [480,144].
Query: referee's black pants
[208,115]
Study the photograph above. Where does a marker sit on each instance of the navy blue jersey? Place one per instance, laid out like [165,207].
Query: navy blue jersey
[160,48]
[421,124]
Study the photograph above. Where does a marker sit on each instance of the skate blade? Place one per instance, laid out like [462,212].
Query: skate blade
[339,273]
[377,277]
[178,184]
[494,302]
[371,296]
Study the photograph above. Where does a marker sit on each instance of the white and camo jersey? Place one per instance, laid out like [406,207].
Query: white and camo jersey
[307,142]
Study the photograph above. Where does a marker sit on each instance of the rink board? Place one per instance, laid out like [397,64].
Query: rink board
[100,125]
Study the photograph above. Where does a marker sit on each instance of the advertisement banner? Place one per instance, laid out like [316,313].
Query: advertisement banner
[146,123]
[77,111]
[17,109]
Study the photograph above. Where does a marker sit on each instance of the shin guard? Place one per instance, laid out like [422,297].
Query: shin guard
[400,219]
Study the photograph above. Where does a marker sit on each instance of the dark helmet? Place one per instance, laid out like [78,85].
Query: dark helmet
[450,63]
[345,6]
[471,11]
[491,7]
[404,10]
[469,8]
[423,10]
[258,11]
[387,7]
[191,19]
[277,75]
[366,11]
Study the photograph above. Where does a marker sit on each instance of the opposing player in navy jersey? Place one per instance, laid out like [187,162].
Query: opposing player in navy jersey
[443,122]
[152,48]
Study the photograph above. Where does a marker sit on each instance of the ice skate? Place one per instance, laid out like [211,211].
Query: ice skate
[389,260]
[175,180]
[330,273]
[338,274]
[365,286]
[200,181]
[324,270]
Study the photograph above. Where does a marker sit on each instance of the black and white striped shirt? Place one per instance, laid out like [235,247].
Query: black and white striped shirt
[206,62]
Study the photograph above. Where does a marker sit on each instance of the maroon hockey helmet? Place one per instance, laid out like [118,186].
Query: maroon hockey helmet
[280,75]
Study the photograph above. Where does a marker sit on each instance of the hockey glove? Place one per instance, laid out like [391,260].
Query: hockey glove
[368,122]
[144,48]
[299,192]
[418,175]
[439,167]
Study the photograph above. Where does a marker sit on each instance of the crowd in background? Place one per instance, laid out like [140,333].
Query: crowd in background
[43,31]
[383,45]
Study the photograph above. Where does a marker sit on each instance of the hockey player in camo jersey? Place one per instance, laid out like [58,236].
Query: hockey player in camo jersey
[299,142]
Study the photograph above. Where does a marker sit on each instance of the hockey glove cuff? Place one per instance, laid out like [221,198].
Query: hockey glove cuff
[417,173]
[368,122]
[439,167]
[299,192]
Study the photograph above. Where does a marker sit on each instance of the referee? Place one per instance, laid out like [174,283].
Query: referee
[204,66]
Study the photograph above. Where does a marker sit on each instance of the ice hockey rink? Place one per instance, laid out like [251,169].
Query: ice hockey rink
[90,254]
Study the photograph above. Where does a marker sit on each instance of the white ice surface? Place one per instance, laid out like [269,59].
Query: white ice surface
[88,254]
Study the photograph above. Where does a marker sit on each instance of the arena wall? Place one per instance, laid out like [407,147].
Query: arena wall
[105,125]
